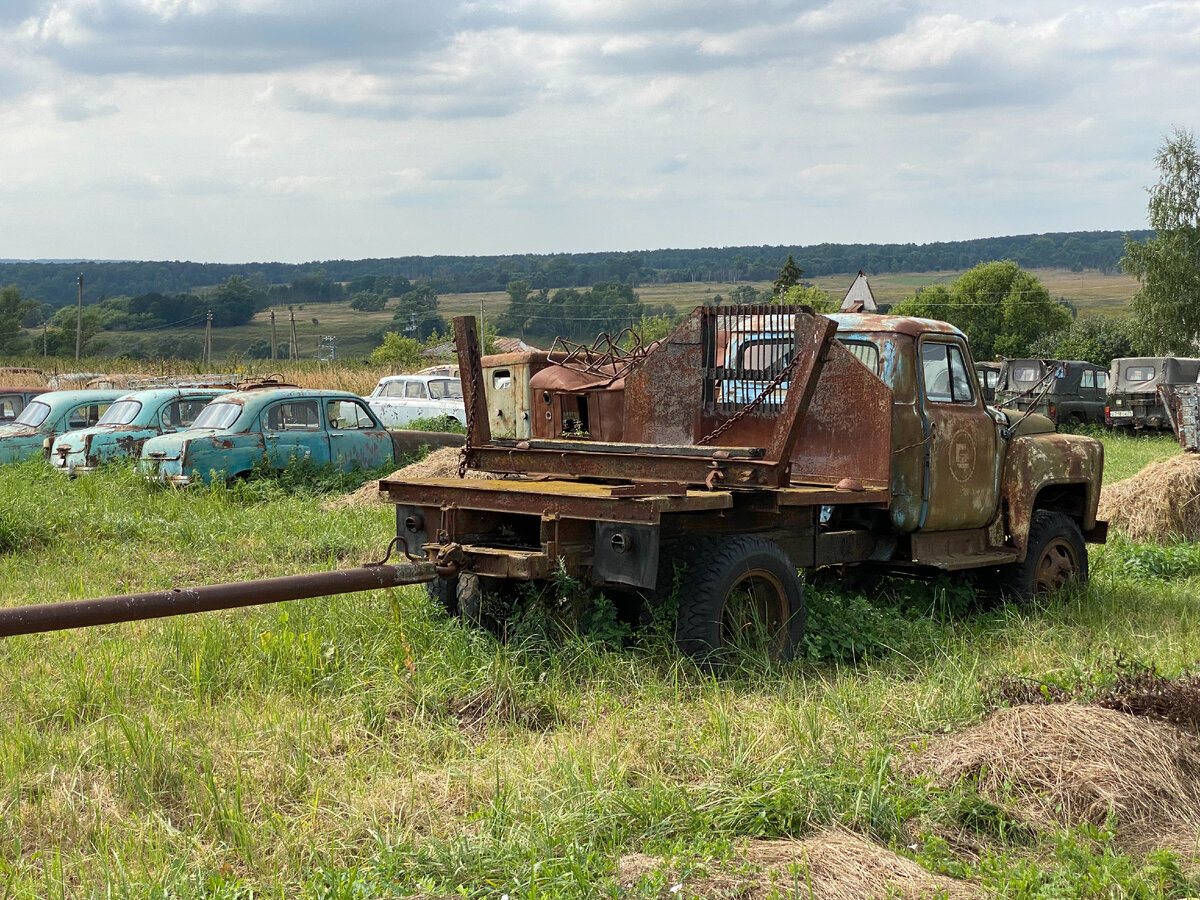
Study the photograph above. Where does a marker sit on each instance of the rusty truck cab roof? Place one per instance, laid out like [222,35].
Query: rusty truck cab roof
[907,325]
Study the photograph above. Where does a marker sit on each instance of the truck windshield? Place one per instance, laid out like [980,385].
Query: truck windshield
[218,415]
[121,413]
[445,389]
[34,414]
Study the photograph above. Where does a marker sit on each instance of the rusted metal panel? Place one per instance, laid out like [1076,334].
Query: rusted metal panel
[1069,465]
[568,499]
[506,378]
[848,428]
[409,443]
[1182,405]
[470,365]
[963,461]
[959,549]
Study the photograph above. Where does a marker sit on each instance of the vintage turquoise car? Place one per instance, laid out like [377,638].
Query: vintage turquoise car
[47,416]
[271,425]
[127,425]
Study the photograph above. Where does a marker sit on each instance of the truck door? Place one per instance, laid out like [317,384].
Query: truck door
[961,462]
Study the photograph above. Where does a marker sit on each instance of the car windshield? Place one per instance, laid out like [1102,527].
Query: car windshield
[445,388]
[218,415]
[34,414]
[121,413]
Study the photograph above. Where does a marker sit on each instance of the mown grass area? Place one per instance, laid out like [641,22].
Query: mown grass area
[369,745]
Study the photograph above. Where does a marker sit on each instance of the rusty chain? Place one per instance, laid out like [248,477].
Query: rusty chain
[751,406]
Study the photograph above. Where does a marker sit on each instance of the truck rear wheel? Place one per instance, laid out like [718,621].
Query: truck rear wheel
[445,592]
[739,595]
[1055,557]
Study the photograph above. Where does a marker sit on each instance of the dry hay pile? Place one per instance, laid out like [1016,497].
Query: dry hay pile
[1065,764]
[1160,502]
[834,865]
[441,463]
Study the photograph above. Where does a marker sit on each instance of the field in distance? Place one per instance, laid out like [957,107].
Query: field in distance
[1090,291]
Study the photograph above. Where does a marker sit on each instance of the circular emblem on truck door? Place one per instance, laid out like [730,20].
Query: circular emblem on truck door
[962,456]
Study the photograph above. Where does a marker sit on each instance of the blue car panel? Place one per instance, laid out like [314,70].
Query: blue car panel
[128,424]
[275,426]
[49,415]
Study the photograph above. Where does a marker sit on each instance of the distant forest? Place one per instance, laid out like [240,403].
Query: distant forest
[54,284]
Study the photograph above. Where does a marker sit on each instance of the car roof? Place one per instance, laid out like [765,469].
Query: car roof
[261,396]
[152,394]
[55,399]
[418,377]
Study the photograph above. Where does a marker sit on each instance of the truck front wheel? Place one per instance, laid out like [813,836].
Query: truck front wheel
[739,595]
[1055,556]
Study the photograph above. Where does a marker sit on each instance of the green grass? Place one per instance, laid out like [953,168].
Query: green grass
[367,745]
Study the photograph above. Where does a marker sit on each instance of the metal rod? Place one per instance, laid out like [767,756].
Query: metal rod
[205,598]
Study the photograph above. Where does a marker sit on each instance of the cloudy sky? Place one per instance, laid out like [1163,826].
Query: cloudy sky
[292,130]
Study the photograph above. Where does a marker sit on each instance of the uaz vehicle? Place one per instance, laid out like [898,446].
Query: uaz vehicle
[399,399]
[1133,396]
[127,424]
[1064,391]
[269,425]
[49,415]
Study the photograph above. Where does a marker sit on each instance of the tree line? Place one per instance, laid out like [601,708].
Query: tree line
[54,284]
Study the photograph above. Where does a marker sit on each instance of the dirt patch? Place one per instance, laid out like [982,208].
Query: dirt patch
[834,865]
[441,463]
[1065,764]
[1158,503]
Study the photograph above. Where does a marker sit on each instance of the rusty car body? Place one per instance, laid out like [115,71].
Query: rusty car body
[14,398]
[48,415]
[272,426]
[127,424]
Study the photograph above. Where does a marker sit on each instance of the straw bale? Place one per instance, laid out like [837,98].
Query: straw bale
[1158,503]
[835,864]
[441,463]
[1065,764]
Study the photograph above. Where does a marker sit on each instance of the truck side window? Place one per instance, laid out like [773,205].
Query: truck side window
[945,374]
[1087,379]
[865,352]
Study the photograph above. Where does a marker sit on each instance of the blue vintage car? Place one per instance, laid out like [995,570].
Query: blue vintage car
[127,425]
[273,424]
[47,416]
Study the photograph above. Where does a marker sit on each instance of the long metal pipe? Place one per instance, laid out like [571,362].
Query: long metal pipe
[179,601]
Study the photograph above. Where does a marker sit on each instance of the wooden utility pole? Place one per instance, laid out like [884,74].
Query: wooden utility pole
[292,349]
[273,357]
[208,340]
[79,320]
[45,343]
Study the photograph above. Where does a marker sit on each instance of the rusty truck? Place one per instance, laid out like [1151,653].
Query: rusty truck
[704,470]
[688,468]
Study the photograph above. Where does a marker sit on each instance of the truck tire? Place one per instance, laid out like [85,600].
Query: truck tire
[444,592]
[738,595]
[1055,556]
